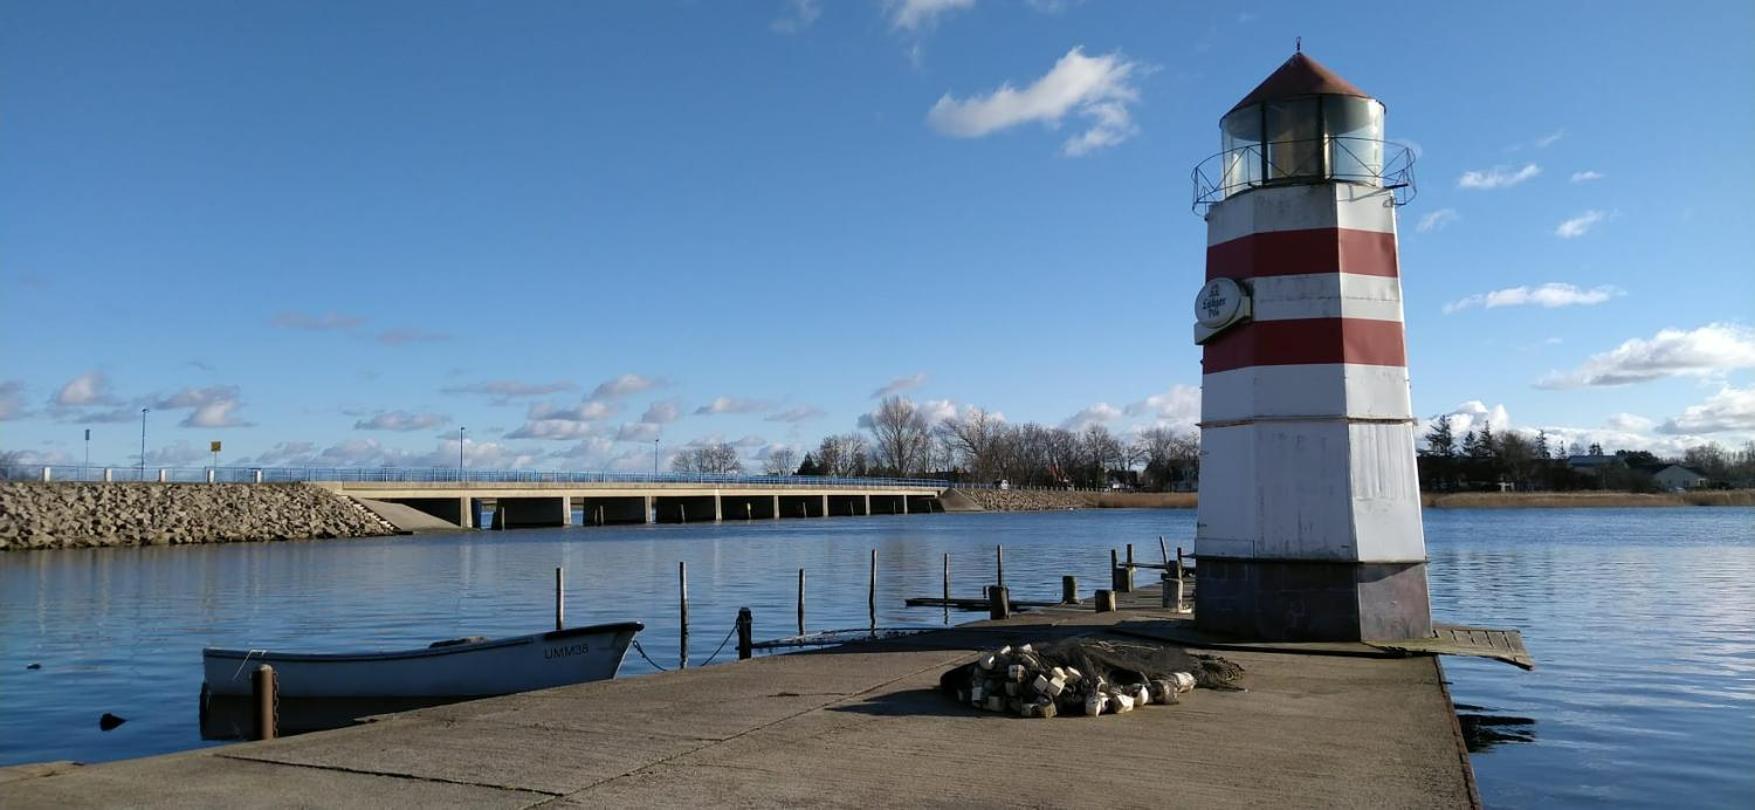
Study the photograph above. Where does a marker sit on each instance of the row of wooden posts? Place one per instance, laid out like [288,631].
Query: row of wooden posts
[265,683]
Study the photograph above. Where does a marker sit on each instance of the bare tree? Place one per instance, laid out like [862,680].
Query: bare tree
[845,456]
[899,432]
[780,461]
[713,459]
[973,437]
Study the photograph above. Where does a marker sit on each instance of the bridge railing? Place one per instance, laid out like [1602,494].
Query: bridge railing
[245,475]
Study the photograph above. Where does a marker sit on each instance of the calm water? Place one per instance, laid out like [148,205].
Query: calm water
[1642,621]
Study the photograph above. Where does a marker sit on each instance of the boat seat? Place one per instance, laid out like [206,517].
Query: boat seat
[456,641]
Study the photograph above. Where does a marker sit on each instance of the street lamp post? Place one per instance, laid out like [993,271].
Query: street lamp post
[143,413]
[460,439]
[655,457]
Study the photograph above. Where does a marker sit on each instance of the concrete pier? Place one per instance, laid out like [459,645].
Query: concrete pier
[856,726]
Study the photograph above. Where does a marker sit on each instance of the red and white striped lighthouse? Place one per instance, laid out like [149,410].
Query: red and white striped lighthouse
[1309,524]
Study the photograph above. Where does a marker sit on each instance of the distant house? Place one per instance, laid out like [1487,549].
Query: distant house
[1676,478]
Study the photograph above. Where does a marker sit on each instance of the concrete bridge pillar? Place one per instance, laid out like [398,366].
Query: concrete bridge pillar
[825,512]
[776,509]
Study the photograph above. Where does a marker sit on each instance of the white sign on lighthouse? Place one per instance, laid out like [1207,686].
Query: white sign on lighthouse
[1309,519]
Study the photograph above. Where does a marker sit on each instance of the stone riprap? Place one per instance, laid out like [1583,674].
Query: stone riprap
[1030,500]
[82,515]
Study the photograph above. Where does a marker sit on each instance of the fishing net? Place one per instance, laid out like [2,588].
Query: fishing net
[1085,675]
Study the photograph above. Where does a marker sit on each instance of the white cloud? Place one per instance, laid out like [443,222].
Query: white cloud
[938,410]
[1731,409]
[209,407]
[900,384]
[401,421]
[661,413]
[325,322]
[590,410]
[637,432]
[176,455]
[1586,176]
[721,405]
[11,400]
[624,385]
[1098,89]
[564,422]
[1548,296]
[1095,414]
[373,453]
[1550,139]
[1436,220]
[1474,414]
[1579,225]
[88,389]
[1709,350]
[1629,422]
[796,15]
[404,336]
[1497,177]
[1178,407]
[917,15]
[800,413]
[502,391]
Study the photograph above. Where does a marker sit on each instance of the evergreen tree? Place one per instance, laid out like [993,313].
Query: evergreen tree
[1542,450]
[1486,446]
[1471,445]
[1441,440]
[809,466]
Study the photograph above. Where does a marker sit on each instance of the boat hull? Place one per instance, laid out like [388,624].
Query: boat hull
[473,669]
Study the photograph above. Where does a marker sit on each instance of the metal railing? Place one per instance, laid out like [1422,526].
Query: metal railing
[54,473]
[267,475]
[1363,161]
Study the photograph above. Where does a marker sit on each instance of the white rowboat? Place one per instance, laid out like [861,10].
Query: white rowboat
[472,667]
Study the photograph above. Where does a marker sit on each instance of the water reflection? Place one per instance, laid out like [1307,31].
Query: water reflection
[1638,619]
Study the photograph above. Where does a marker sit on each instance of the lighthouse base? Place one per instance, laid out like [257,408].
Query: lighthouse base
[1300,600]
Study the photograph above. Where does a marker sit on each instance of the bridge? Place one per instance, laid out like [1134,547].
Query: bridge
[529,499]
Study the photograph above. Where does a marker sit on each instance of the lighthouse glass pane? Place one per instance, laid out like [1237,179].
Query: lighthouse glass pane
[1240,162]
[1294,142]
[1355,144]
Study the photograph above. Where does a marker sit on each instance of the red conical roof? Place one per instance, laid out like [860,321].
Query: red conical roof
[1299,76]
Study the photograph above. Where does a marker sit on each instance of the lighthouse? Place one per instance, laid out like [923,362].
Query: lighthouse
[1309,522]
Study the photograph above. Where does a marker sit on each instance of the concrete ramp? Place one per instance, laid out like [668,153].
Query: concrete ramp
[406,519]
[954,501]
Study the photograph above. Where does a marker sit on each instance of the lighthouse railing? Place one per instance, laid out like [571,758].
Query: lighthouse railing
[1364,161]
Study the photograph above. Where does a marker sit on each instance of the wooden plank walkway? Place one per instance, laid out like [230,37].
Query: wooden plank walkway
[855,726]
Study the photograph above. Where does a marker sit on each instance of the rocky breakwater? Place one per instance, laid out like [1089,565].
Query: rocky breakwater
[81,515]
[1029,500]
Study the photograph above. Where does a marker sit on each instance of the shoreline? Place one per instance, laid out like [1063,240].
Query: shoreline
[1441,500]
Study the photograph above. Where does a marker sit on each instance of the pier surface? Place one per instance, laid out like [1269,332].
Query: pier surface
[856,726]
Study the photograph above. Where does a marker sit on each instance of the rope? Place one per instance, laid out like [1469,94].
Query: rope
[721,646]
[642,651]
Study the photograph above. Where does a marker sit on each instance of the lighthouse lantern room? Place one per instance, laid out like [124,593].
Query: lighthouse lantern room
[1309,519]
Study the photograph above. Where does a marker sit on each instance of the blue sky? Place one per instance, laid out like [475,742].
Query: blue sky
[336,232]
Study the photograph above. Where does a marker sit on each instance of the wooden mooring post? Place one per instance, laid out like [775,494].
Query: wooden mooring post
[999,566]
[265,694]
[801,601]
[1069,590]
[682,592]
[999,603]
[871,591]
[745,629]
[1105,601]
[947,587]
[1120,577]
[560,598]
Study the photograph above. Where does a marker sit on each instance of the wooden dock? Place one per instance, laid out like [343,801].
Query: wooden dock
[860,725]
